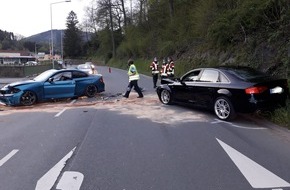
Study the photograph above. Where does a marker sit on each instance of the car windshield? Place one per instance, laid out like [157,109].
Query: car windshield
[247,73]
[45,75]
[84,66]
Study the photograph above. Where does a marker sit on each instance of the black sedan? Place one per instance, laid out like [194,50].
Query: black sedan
[225,90]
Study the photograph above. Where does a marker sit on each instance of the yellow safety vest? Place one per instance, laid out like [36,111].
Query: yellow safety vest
[133,73]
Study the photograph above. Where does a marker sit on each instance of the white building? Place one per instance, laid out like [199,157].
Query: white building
[15,57]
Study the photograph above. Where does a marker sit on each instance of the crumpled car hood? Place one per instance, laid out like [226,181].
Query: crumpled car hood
[18,83]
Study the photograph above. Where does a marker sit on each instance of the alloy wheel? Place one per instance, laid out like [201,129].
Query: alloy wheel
[224,109]
[28,98]
[165,97]
[91,91]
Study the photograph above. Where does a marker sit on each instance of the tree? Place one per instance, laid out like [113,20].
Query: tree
[106,18]
[72,37]
[171,8]
[124,12]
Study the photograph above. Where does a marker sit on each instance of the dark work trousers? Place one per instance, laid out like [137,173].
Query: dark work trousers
[133,83]
[155,78]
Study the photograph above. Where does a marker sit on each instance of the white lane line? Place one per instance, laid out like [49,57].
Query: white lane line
[257,175]
[8,156]
[59,113]
[47,181]
[70,180]
[63,110]
[237,126]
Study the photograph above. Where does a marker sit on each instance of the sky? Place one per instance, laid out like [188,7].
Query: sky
[29,17]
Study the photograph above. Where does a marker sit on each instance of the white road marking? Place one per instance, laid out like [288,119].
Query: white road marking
[70,180]
[8,156]
[237,126]
[257,175]
[59,113]
[47,181]
[63,110]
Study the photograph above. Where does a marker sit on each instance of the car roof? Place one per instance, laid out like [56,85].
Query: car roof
[65,70]
[243,72]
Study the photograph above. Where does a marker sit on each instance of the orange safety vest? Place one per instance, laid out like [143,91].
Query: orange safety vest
[170,69]
[163,70]
[154,67]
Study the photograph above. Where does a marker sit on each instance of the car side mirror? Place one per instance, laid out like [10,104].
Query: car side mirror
[182,82]
[50,80]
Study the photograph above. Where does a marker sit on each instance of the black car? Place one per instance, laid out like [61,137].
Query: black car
[225,90]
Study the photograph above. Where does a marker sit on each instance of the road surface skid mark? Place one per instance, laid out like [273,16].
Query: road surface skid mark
[46,106]
[150,108]
[147,108]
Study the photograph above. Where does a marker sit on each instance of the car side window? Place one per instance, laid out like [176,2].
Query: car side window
[193,76]
[77,74]
[223,79]
[57,77]
[209,75]
[62,76]
[66,76]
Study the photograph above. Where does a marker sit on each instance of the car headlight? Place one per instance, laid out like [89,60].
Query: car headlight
[13,90]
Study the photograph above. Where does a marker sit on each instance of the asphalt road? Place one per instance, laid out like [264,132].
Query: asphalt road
[113,143]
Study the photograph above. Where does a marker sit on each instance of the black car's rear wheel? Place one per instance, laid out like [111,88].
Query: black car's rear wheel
[28,98]
[224,109]
[91,91]
[165,97]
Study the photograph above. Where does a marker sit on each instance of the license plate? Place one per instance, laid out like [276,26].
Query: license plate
[276,90]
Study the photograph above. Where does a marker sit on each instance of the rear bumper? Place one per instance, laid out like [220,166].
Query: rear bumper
[101,87]
[253,104]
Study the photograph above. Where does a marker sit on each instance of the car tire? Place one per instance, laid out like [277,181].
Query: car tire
[224,109]
[28,98]
[91,91]
[165,97]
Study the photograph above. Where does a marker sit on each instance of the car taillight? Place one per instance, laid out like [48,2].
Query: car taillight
[255,90]
[102,80]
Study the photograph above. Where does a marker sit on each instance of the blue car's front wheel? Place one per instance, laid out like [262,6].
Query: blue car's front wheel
[28,98]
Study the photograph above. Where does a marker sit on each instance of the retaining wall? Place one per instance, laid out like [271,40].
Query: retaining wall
[22,71]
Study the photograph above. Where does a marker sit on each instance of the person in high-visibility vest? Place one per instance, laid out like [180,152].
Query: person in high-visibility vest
[155,71]
[133,80]
[163,71]
[170,68]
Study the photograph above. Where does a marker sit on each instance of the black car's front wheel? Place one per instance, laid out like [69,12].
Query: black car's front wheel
[224,109]
[28,98]
[91,91]
[165,97]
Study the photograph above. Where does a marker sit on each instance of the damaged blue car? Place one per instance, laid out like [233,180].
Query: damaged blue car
[52,84]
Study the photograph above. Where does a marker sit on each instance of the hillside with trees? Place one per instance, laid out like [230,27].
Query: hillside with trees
[194,32]
[8,41]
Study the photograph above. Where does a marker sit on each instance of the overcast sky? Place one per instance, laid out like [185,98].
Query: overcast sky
[29,17]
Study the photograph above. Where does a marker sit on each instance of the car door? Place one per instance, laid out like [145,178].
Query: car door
[61,85]
[184,92]
[206,87]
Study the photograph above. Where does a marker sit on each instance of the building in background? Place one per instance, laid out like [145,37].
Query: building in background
[15,57]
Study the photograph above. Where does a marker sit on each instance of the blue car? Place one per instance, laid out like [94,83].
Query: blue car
[52,84]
